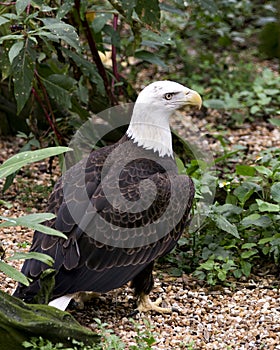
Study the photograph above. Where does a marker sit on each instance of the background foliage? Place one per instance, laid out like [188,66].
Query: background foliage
[60,61]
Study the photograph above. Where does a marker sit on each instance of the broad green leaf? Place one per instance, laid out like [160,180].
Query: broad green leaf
[88,69]
[263,170]
[32,218]
[226,226]
[248,245]
[215,104]
[228,209]
[128,7]
[149,12]
[31,222]
[245,170]
[245,191]
[11,37]
[149,57]
[59,94]
[207,265]
[180,166]
[113,34]
[13,273]
[275,192]
[23,73]
[209,5]
[15,50]
[222,275]
[64,8]
[62,31]
[63,81]
[21,6]
[275,121]
[23,158]
[256,220]
[266,240]
[46,259]
[246,267]
[3,20]
[266,206]
[255,109]
[247,254]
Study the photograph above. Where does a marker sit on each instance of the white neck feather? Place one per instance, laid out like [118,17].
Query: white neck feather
[151,130]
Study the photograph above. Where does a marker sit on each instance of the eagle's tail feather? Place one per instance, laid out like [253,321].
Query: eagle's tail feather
[61,303]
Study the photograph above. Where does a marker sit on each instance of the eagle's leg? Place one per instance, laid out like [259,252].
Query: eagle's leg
[143,284]
[145,304]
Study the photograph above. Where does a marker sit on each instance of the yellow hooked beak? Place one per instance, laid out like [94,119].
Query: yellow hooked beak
[193,98]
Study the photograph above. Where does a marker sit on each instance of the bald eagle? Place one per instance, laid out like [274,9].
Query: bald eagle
[121,208]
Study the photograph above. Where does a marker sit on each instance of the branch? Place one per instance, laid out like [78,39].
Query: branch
[47,113]
[96,57]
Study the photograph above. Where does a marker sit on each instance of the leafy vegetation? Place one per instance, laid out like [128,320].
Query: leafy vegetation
[33,221]
[143,340]
[242,226]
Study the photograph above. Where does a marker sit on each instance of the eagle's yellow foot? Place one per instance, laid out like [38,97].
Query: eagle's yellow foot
[145,304]
[81,298]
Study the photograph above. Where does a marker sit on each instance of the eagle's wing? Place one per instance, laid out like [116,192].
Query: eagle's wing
[112,235]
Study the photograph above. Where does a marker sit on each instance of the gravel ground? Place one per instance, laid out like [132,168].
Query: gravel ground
[244,317]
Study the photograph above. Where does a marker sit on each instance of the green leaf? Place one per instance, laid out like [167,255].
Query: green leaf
[149,57]
[228,209]
[222,275]
[88,69]
[254,109]
[21,159]
[246,267]
[64,8]
[247,254]
[226,226]
[215,104]
[266,240]
[15,50]
[21,6]
[23,73]
[263,170]
[266,206]
[274,121]
[275,192]
[207,265]
[63,81]
[59,94]
[33,221]
[13,273]
[248,245]
[149,12]
[245,170]
[34,218]
[62,31]
[11,37]
[180,166]
[245,191]
[3,20]
[46,259]
[128,7]
[256,220]
[113,34]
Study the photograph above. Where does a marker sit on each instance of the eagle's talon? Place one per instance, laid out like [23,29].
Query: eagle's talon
[145,304]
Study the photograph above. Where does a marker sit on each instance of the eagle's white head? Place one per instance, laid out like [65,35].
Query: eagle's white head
[149,126]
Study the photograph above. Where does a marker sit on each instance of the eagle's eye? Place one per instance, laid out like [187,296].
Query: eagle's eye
[168,96]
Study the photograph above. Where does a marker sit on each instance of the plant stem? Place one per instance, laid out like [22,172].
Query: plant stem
[48,111]
[95,56]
